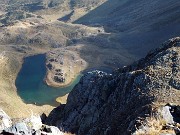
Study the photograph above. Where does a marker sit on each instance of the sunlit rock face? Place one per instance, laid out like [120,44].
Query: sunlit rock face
[5,121]
[28,126]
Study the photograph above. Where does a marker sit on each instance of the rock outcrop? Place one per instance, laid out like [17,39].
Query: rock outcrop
[28,126]
[5,121]
[105,104]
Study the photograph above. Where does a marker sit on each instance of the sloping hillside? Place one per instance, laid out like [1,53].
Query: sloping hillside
[136,26]
[52,9]
[129,15]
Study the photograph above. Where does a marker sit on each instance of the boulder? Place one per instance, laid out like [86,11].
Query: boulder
[50,130]
[59,79]
[5,121]
[28,126]
[18,129]
[166,114]
[34,122]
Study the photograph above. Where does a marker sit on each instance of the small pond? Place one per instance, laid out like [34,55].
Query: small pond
[31,87]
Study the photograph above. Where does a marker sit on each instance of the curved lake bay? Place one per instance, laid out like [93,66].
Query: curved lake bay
[30,83]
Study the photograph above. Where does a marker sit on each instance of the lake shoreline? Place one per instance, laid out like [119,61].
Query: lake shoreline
[31,86]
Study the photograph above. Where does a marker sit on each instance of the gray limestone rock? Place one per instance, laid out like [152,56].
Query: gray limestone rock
[18,129]
[5,121]
[166,114]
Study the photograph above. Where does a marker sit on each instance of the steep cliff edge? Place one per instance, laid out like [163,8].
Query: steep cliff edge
[105,104]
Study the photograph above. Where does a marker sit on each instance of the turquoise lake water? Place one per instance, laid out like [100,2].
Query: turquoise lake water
[31,87]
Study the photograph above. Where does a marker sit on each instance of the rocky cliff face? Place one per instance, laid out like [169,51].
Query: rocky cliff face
[111,104]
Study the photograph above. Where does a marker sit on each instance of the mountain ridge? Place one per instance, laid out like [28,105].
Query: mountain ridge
[111,104]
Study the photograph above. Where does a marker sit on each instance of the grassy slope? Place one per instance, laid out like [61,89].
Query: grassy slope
[9,100]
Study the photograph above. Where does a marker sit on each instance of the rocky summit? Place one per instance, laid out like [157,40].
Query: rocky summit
[141,98]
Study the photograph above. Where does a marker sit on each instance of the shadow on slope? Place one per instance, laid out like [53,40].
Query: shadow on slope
[136,26]
[66,17]
[128,15]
